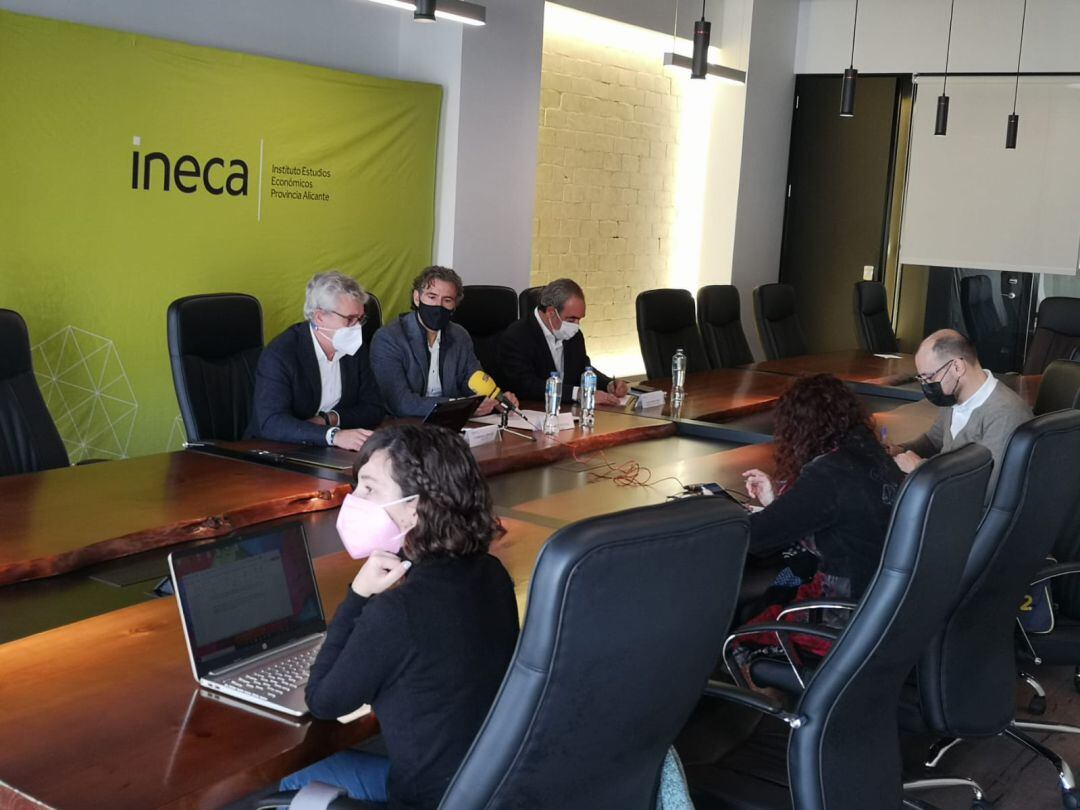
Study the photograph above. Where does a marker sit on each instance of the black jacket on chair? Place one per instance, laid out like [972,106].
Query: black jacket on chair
[288,389]
[525,361]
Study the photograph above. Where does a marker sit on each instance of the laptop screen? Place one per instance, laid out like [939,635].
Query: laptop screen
[243,596]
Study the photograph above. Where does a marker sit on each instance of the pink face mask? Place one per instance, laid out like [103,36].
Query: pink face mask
[365,527]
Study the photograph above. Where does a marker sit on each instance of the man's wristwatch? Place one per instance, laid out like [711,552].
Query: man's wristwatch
[331,434]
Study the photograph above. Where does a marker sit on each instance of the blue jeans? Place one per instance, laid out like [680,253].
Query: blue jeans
[363,775]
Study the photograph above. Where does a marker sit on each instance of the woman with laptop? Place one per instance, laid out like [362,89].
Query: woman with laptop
[827,507]
[429,624]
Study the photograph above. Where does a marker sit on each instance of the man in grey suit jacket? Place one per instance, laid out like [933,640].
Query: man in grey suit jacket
[421,358]
[973,405]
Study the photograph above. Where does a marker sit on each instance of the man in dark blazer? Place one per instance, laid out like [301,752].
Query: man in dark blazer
[422,357]
[549,339]
[314,384]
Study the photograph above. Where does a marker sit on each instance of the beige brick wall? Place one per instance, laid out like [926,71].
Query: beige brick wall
[605,179]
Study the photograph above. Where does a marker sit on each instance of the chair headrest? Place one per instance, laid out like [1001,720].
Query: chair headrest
[15,343]
[975,288]
[666,310]
[1062,428]
[871,297]
[1060,315]
[776,301]
[215,326]
[718,304]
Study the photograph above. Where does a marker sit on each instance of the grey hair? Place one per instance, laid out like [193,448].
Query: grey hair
[558,292]
[324,289]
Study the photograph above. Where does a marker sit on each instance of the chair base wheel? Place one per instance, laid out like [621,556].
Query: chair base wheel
[1037,705]
[1070,799]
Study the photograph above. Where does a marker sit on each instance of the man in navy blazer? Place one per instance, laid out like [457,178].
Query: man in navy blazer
[314,384]
[422,358]
[549,339]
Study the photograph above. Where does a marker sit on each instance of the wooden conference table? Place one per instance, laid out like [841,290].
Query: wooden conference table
[849,365]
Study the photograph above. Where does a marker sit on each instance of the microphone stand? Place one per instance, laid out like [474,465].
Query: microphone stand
[505,420]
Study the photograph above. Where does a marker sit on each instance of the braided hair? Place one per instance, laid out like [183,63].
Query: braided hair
[454,513]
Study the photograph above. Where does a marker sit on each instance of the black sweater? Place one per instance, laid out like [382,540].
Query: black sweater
[844,499]
[429,657]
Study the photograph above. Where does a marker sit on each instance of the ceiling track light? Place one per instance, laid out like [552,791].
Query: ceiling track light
[1014,119]
[941,123]
[698,64]
[847,87]
[432,10]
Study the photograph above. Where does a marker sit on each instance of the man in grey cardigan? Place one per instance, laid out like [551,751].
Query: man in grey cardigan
[973,405]
[422,358]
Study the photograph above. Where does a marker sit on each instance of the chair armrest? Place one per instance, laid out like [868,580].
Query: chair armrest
[752,700]
[1055,571]
[817,604]
[284,798]
[782,629]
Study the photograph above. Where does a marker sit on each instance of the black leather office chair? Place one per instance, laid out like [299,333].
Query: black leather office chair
[983,324]
[214,345]
[29,440]
[1057,333]
[872,322]
[967,676]
[843,749]
[485,311]
[720,320]
[626,614]
[778,321]
[665,323]
[373,320]
[1060,387]
[528,300]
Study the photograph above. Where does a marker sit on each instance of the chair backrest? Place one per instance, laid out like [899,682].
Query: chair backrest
[626,616]
[666,323]
[373,311]
[720,320]
[872,322]
[29,440]
[214,345]
[1060,387]
[967,676]
[847,752]
[486,309]
[1057,333]
[528,300]
[778,321]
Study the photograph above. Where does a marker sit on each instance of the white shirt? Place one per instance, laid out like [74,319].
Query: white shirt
[330,374]
[434,382]
[962,413]
[555,345]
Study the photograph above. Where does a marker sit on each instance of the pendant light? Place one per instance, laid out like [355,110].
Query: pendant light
[425,11]
[699,62]
[1014,119]
[460,11]
[942,122]
[847,88]
[699,65]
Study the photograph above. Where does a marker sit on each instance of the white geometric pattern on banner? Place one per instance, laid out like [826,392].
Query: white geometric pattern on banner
[88,393]
[177,436]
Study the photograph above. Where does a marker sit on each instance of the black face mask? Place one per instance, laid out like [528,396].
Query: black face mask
[937,396]
[433,316]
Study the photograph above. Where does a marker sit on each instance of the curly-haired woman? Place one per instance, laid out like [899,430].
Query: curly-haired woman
[835,487]
[429,654]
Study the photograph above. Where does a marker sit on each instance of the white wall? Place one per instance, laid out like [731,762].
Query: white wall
[497,137]
[766,140]
[910,36]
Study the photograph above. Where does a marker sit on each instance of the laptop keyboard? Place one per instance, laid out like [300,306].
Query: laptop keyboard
[278,678]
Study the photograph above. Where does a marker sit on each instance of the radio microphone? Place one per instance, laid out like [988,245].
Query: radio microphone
[482,384]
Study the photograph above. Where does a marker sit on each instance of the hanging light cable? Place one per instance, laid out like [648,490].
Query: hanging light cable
[847,88]
[1014,119]
[942,122]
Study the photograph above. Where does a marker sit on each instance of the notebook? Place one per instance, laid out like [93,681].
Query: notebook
[252,617]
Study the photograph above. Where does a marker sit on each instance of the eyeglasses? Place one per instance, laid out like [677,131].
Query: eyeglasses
[926,378]
[350,320]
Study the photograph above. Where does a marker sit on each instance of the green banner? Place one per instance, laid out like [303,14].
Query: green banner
[135,171]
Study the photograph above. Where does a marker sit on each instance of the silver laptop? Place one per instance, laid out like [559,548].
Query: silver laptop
[252,616]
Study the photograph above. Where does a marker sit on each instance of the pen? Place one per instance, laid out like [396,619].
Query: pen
[884,434]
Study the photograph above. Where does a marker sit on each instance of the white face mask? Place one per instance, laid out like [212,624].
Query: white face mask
[347,339]
[567,330]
